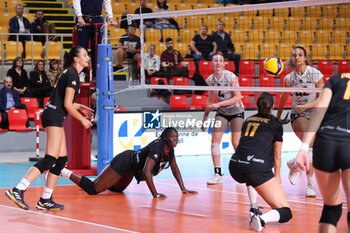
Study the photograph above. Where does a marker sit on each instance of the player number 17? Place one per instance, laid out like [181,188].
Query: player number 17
[251,127]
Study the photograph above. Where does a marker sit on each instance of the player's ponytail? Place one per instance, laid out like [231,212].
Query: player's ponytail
[68,57]
[265,102]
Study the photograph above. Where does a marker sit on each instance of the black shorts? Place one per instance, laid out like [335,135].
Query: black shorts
[122,162]
[131,55]
[250,179]
[51,118]
[330,155]
[230,117]
[294,116]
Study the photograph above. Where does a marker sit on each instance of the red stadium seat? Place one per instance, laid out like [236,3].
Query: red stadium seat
[37,118]
[198,102]
[205,68]
[180,81]
[31,104]
[246,81]
[266,81]
[178,102]
[326,67]
[2,130]
[246,100]
[191,68]
[155,81]
[230,65]
[18,119]
[343,66]
[247,68]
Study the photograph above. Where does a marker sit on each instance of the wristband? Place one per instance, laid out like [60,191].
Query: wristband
[304,146]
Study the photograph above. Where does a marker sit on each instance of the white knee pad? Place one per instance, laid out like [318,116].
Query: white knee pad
[310,152]
[215,148]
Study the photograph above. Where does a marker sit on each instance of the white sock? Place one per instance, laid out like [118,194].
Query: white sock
[271,216]
[66,173]
[47,193]
[252,194]
[310,180]
[23,184]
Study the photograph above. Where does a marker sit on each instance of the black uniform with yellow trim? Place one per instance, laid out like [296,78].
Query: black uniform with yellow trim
[254,158]
[55,113]
[331,146]
[135,160]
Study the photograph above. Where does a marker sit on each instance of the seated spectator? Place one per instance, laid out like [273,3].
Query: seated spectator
[40,86]
[162,23]
[19,24]
[41,25]
[9,98]
[54,73]
[128,47]
[19,77]
[225,46]
[144,9]
[151,62]
[203,46]
[170,61]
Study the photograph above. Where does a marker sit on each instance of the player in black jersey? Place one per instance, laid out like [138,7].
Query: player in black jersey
[258,151]
[60,104]
[142,164]
[331,124]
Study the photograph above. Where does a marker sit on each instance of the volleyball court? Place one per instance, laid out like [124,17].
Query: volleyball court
[258,32]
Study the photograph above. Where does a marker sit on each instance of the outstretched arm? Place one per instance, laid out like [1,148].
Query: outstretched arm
[147,173]
[178,177]
[277,147]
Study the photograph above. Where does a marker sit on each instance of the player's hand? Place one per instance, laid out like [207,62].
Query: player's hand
[286,119]
[86,123]
[86,111]
[214,106]
[302,160]
[299,109]
[159,195]
[81,22]
[186,191]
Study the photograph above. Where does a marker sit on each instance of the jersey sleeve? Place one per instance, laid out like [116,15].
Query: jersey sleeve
[331,82]
[72,78]
[155,152]
[287,80]
[279,133]
[230,76]
[209,80]
[317,75]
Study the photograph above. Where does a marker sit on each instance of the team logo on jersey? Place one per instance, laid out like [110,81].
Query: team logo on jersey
[152,120]
[156,156]
[74,83]
[249,157]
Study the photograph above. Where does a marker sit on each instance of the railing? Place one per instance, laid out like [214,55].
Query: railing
[4,38]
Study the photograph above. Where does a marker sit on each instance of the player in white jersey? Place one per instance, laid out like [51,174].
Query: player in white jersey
[302,76]
[229,111]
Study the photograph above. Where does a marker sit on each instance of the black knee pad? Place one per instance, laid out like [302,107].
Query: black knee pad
[285,214]
[46,163]
[348,219]
[87,185]
[60,164]
[331,214]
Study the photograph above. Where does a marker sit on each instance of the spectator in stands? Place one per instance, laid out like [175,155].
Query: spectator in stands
[225,45]
[203,46]
[162,23]
[151,62]
[54,73]
[19,77]
[91,12]
[19,24]
[170,61]
[144,9]
[128,47]
[41,25]
[9,98]
[40,86]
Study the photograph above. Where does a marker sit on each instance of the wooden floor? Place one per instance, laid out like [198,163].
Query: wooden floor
[217,208]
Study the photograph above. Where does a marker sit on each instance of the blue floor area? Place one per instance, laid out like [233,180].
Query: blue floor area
[190,167]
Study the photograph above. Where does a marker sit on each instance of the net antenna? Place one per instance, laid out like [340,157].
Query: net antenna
[226,10]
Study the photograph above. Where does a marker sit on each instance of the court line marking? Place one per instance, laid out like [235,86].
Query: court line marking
[245,194]
[178,212]
[68,219]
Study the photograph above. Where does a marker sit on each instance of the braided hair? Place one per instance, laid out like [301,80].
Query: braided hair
[165,134]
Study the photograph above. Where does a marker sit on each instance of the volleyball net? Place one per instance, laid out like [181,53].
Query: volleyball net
[258,31]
